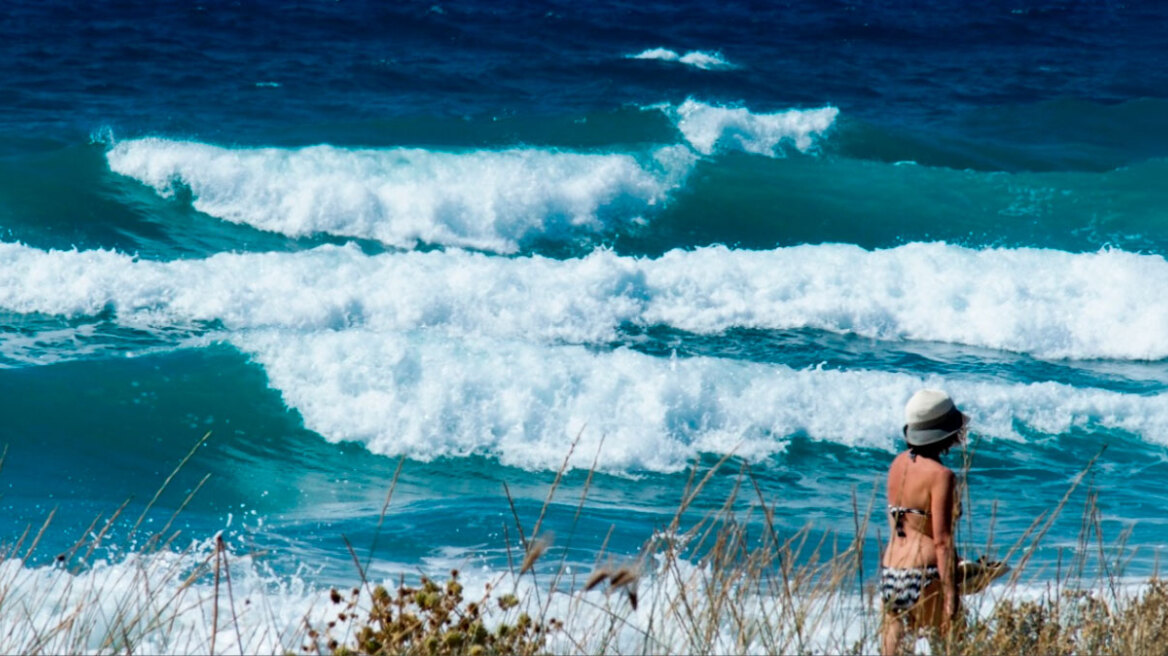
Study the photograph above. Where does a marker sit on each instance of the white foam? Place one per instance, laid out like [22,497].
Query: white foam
[428,397]
[709,128]
[687,608]
[705,61]
[660,54]
[432,354]
[145,604]
[1050,304]
[331,288]
[150,604]
[490,200]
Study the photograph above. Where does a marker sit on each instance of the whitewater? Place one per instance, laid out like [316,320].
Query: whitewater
[552,266]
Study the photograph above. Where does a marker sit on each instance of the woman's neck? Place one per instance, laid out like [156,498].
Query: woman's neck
[935,457]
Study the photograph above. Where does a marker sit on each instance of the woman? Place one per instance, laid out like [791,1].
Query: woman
[917,580]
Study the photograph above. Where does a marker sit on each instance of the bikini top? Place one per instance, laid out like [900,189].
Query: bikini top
[898,513]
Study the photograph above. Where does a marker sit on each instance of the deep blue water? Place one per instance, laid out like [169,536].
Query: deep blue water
[462,235]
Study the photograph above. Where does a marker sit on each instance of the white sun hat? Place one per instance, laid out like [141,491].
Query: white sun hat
[931,416]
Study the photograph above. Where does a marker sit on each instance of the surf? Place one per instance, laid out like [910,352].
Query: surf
[489,200]
[425,396]
[1043,303]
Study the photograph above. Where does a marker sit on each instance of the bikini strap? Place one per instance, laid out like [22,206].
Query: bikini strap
[898,513]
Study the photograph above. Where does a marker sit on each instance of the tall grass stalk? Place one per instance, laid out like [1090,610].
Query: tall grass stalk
[726,580]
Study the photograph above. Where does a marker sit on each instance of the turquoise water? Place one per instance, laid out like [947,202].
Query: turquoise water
[463,238]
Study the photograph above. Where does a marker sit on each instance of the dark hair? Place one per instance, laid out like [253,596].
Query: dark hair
[937,449]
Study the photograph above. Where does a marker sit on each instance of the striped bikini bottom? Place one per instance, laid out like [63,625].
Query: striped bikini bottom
[901,587]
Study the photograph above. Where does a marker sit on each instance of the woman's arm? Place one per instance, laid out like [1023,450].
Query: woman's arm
[942,511]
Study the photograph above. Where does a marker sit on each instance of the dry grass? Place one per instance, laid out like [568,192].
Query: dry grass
[720,584]
[1073,622]
[723,582]
[431,619]
[155,600]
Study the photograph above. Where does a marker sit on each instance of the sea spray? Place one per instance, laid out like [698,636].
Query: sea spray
[1045,303]
[710,127]
[490,200]
[426,397]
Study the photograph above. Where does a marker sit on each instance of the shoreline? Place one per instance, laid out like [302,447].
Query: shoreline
[708,585]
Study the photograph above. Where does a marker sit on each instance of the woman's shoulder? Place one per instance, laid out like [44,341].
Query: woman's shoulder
[939,473]
[935,467]
[921,465]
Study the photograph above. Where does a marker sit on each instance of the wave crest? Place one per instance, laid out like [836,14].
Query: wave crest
[489,200]
[427,397]
[705,61]
[1049,304]
[709,128]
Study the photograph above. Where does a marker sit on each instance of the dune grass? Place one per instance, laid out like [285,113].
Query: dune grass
[723,582]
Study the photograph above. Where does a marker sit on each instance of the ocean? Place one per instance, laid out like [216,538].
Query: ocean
[487,242]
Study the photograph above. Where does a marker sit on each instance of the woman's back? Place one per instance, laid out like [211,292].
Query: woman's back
[913,486]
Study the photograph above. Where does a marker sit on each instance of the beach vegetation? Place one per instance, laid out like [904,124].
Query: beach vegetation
[723,581]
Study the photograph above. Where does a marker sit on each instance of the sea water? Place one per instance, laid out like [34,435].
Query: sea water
[489,242]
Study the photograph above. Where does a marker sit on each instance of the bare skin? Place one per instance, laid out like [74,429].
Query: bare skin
[928,485]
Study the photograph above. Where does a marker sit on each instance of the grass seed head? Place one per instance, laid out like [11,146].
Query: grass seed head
[621,577]
[595,579]
[535,550]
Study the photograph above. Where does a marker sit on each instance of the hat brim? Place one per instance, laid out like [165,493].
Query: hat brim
[927,436]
